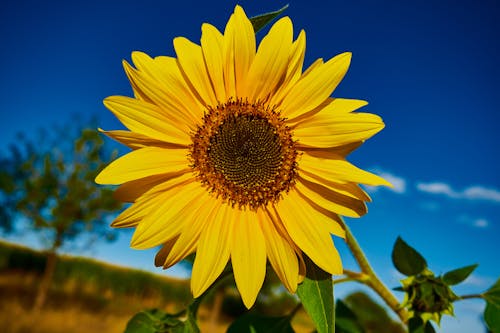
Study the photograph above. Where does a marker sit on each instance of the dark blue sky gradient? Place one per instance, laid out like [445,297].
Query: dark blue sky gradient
[429,68]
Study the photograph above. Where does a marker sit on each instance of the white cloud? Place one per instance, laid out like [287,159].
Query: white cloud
[469,193]
[481,223]
[399,183]
[437,188]
[481,193]
[474,222]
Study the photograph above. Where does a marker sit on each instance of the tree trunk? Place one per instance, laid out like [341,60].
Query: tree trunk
[46,281]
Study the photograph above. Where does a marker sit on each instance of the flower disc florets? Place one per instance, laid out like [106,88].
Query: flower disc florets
[244,153]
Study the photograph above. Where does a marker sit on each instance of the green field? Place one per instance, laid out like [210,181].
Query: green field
[86,295]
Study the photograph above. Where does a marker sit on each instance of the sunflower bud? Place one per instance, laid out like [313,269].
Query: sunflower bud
[428,296]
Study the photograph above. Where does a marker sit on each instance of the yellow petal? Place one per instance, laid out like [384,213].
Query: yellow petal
[317,63]
[331,200]
[239,52]
[248,256]
[211,45]
[294,70]
[296,62]
[281,254]
[146,119]
[329,219]
[136,140]
[156,94]
[338,152]
[330,130]
[309,233]
[349,189]
[130,191]
[343,105]
[169,216]
[136,213]
[336,169]
[329,106]
[166,74]
[313,88]
[214,248]
[139,93]
[271,62]
[142,163]
[190,58]
[202,213]
[164,251]
[131,216]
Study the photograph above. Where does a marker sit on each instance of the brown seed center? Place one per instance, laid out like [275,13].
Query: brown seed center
[244,153]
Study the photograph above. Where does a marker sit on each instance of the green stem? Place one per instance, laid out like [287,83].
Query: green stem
[470,296]
[372,279]
[359,276]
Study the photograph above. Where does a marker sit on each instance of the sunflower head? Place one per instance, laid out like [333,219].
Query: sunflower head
[238,155]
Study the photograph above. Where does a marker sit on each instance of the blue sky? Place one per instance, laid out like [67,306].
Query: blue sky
[430,69]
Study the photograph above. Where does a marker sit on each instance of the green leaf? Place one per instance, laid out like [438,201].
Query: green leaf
[458,275]
[492,317]
[417,325]
[406,259]
[150,321]
[346,320]
[252,322]
[316,294]
[492,295]
[260,21]
[157,321]
[429,328]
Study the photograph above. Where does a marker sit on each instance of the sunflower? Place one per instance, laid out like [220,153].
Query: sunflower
[238,155]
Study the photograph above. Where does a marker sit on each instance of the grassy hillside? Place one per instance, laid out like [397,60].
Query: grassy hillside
[84,275]
[86,295]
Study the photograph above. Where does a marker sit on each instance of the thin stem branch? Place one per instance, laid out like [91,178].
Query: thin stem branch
[470,296]
[346,279]
[372,280]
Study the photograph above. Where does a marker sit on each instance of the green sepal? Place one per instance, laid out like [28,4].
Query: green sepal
[406,259]
[316,295]
[255,323]
[260,21]
[458,275]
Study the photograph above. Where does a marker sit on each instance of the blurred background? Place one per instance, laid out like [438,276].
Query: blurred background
[429,69]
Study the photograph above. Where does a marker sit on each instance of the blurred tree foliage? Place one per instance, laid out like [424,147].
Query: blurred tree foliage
[47,186]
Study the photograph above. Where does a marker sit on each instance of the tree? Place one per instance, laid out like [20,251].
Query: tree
[47,186]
